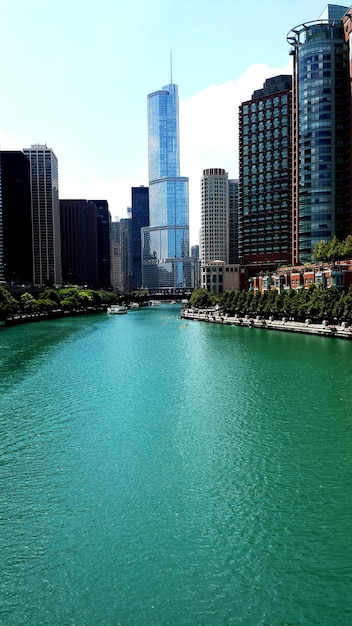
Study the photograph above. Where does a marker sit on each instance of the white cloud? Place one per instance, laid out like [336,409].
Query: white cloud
[209,130]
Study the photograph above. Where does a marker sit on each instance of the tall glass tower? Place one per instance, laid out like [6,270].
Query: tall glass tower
[165,242]
[321,131]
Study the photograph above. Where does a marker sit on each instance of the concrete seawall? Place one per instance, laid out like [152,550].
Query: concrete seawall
[341,331]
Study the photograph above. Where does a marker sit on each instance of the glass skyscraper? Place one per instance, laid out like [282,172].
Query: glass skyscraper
[165,242]
[321,131]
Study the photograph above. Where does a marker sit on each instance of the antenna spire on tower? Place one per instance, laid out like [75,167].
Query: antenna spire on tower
[171,67]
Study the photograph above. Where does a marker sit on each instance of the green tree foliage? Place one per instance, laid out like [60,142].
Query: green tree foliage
[346,248]
[8,304]
[320,251]
[318,303]
[51,295]
[333,250]
[28,304]
[200,299]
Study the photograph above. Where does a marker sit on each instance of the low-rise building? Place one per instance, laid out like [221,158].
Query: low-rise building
[337,274]
[218,276]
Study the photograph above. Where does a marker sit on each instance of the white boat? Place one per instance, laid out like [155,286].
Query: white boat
[154,302]
[117,309]
[134,305]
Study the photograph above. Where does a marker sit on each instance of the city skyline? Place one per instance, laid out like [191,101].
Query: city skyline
[78,81]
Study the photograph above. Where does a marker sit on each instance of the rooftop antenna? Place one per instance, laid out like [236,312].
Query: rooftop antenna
[171,66]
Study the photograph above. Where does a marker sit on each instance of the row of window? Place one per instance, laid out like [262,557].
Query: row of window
[260,105]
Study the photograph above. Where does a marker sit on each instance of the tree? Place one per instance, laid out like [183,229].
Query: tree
[8,304]
[346,248]
[320,251]
[335,250]
[28,303]
[200,299]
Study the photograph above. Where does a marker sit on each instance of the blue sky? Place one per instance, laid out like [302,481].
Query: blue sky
[75,75]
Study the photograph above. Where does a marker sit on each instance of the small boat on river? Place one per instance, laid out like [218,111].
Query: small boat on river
[117,309]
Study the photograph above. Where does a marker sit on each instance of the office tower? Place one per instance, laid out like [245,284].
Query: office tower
[104,243]
[45,215]
[117,282]
[79,247]
[196,266]
[140,218]
[233,221]
[165,242]
[126,253]
[214,244]
[321,131]
[265,174]
[16,254]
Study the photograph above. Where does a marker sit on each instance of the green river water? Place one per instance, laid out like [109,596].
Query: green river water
[161,472]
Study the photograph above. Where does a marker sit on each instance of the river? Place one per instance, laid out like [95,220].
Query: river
[160,472]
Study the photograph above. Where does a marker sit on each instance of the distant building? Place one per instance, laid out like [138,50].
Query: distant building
[16,251]
[117,279]
[140,219]
[79,244]
[104,243]
[126,253]
[321,207]
[196,266]
[45,215]
[214,243]
[218,276]
[165,242]
[264,202]
[233,221]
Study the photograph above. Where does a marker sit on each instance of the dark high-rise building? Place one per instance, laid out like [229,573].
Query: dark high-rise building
[45,215]
[79,248]
[321,205]
[16,254]
[264,193]
[140,218]
[104,243]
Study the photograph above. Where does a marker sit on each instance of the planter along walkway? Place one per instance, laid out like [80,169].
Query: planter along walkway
[342,331]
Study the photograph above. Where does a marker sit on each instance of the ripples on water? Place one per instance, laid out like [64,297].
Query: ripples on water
[155,472]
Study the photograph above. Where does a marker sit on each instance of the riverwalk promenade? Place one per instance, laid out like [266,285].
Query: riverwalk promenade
[341,331]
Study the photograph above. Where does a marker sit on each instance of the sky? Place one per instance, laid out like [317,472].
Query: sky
[75,75]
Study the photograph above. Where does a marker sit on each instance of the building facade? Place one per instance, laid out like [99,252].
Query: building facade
[45,209]
[16,251]
[79,243]
[265,175]
[233,221]
[104,243]
[321,205]
[214,240]
[337,274]
[140,219]
[218,277]
[165,242]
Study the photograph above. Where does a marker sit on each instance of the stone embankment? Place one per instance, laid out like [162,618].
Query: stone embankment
[342,331]
[25,318]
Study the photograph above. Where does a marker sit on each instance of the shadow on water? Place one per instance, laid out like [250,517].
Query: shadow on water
[21,346]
